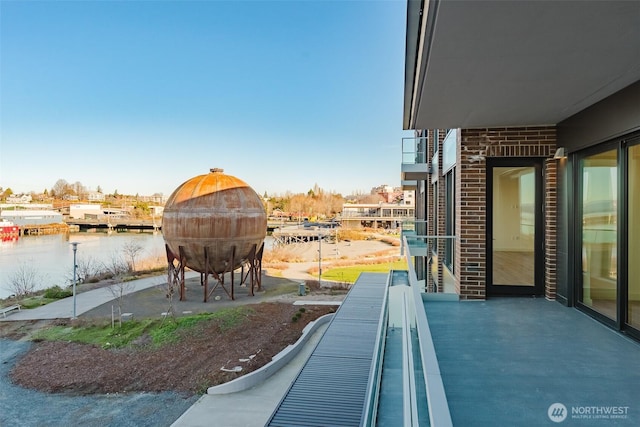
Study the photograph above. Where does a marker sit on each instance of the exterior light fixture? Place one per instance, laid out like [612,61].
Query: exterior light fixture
[560,153]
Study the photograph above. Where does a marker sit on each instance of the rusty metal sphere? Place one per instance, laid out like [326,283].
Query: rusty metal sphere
[214,211]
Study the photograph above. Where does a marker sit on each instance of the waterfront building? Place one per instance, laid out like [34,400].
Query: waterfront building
[23,218]
[526,152]
[375,215]
[85,211]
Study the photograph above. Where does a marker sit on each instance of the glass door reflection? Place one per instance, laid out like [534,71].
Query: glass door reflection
[514,223]
[599,189]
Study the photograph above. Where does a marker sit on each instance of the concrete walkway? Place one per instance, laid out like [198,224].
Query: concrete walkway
[251,407]
[85,301]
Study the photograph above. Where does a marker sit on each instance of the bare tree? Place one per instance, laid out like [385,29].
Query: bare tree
[132,249]
[79,189]
[119,290]
[87,269]
[60,188]
[23,281]
[115,266]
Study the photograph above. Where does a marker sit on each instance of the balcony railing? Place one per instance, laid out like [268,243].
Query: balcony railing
[437,404]
[419,243]
[415,165]
[413,150]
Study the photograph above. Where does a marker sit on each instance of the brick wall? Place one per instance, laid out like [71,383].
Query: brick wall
[470,246]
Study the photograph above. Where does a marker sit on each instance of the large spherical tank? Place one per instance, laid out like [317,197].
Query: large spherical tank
[215,211]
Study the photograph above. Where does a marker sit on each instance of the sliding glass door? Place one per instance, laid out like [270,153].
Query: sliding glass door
[633,237]
[608,244]
[599,220]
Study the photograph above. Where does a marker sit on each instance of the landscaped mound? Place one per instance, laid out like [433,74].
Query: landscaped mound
[193,358]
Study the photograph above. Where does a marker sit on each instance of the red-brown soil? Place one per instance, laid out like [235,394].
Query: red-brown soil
[190,366]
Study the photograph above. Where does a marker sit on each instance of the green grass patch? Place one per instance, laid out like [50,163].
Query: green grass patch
[169,331]
[227,318]
[350,274]
[101,334]
[37,301]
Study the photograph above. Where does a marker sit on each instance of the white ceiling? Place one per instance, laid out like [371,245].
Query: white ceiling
[518,62]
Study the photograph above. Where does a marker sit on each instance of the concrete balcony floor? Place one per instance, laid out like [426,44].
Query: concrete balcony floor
[505,361]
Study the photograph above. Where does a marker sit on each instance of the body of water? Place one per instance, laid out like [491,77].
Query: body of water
[50,257]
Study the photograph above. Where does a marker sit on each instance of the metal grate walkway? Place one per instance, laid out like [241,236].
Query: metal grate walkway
[331,389]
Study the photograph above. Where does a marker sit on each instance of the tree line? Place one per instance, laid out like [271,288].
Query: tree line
[314,204]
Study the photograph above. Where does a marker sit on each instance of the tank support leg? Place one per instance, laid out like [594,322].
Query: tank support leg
[220,276]
[204,276]
[175,272]
[254,269]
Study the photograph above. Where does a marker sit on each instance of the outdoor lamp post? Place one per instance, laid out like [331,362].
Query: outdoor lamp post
[319,257]
[75,266]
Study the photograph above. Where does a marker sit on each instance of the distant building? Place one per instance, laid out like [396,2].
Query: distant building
[19,198]
[94,196]
[32,217]
[85,211]
[375,215]
[156,210]
[155,198]
[394,194]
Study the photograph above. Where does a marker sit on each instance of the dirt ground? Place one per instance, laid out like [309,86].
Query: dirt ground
[200,358]
[190,366]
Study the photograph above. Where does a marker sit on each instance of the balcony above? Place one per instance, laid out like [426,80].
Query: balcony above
[417,245]
[414,163]
[414,172]
[412,231]
[409,185]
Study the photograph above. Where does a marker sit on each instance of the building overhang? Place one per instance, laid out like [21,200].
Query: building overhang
[480,63]
[409,185]
[414,172]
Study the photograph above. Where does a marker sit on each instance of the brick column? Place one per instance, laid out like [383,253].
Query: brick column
[470,265]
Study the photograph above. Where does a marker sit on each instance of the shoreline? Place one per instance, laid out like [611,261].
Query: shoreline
[305,257]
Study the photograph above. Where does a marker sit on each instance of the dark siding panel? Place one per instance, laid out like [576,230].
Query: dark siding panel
[612,117]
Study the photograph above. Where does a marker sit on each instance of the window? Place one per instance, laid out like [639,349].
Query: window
[450,217]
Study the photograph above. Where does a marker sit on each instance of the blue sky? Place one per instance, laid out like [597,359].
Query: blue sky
[140,96]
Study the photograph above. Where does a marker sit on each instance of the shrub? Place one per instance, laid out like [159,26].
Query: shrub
[56,292]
